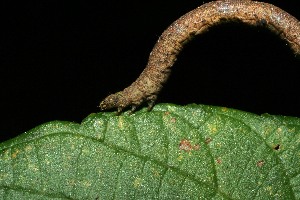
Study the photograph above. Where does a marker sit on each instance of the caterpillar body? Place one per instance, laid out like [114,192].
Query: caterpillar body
[171,42]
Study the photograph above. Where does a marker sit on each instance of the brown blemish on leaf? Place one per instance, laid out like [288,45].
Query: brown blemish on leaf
[167,113]
[208,140]
[260,163]
[219,161]
[196,147]
[276,147]
[186,145]
[173,120]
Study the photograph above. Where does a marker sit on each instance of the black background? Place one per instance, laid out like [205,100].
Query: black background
[60,59]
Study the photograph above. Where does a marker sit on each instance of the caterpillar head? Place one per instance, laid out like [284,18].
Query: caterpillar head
[113,101]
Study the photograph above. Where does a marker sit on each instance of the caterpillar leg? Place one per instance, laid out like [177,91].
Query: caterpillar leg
[119,111]
[151,101]
[133,108]
[150,105]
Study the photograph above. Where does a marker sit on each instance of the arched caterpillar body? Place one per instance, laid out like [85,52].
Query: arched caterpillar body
[197,21]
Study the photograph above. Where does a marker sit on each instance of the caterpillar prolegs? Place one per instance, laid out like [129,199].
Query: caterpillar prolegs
[197,21]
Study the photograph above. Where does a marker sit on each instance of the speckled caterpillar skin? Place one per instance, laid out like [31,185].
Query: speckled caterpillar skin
[171,42]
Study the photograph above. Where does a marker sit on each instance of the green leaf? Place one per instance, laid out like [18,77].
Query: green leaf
[172,152]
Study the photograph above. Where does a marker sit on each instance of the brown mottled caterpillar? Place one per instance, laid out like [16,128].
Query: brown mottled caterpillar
[197,21]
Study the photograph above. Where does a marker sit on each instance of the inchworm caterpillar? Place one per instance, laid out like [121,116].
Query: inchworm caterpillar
[197,21]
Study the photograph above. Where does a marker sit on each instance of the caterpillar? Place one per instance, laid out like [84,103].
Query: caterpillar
[171,42]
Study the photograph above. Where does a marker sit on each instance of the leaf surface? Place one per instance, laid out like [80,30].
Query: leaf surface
[172,152]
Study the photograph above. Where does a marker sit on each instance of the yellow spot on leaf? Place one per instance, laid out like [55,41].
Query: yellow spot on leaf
[14,155]
[47,162]
[121,122]
[291,130]
[212,128]
[269,188]
[259,183]
[33,167]
[85,151]
[267,130]
[224,109]
[180,157]
[71,182]
[5,155]
[87,183]
[28,148]
[155,172]
[3,176]
[279,130]
[137,182]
